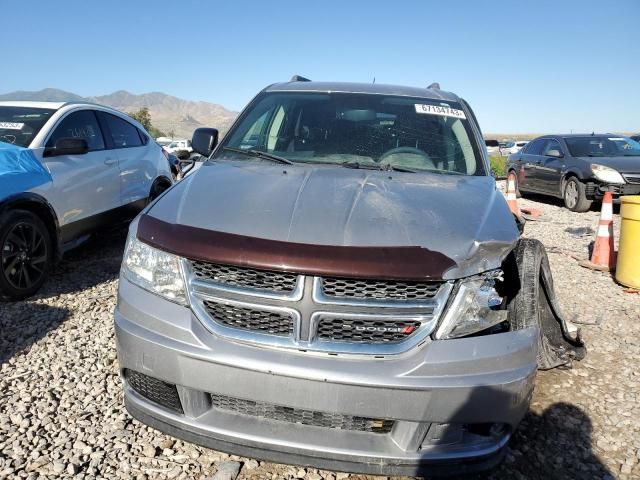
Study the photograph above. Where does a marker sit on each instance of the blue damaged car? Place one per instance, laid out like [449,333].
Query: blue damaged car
[66,170]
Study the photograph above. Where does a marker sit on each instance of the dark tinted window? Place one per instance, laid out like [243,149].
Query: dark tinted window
[551,145]
[381,131]
[19,125]
[123,134]
[82,124]
[535,147]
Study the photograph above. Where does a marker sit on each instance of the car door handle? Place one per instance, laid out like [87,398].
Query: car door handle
[111,161]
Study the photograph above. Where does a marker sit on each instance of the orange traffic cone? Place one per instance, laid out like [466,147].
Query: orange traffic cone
[603,256]
[512,201]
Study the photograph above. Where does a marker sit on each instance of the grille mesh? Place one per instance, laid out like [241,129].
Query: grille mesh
[379,289]
[304,417]
[260,321]
[634,178]
[245,277]
[157,391]
[365,331]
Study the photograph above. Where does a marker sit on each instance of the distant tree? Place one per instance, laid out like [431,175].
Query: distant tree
[144,117]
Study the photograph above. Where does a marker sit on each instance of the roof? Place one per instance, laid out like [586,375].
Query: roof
[369,88]
[52,105]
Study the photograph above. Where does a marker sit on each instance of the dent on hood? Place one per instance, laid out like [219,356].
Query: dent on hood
[496,237]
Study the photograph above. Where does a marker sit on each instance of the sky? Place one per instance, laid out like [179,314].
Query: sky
[525,67]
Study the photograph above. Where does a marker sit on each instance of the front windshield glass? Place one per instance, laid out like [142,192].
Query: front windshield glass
[603,146]
[367,130]
[20,125]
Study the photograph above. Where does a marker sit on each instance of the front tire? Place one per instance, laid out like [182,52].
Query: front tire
[26,254]
[574,196]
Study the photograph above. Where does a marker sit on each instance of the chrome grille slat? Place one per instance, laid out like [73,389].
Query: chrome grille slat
[315,314]
[362,330]
[261,321]
[378,289]
[301,416]
[280,282]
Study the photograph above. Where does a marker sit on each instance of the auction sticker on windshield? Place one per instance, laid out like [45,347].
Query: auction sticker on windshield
[11,125]
[441,110]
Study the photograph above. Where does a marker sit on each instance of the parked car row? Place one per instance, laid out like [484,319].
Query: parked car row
[505,147]
[347,288]
[578,168]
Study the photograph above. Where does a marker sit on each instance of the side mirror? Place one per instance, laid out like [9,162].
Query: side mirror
[68,146]
[555,153]
[204,140]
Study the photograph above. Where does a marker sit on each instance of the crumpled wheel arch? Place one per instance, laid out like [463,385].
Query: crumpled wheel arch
[532,303]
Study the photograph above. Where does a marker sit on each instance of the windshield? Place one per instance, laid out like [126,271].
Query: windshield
[357,129]
[20,125]
[603,146]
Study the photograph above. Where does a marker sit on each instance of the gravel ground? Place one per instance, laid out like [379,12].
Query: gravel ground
[61,411]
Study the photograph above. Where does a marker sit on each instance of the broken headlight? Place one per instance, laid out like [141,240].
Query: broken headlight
[154,270]
[476,307]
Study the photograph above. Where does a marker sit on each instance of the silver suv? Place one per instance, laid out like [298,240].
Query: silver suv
[340,285]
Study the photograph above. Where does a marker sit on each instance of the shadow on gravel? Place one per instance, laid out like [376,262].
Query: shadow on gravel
[23,324]
[555,445]
[94,262]
[558,202]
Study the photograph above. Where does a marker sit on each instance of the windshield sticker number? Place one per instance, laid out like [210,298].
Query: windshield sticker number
[440,110]
[11,125]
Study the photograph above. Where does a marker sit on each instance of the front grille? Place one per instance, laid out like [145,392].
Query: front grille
[365,331]
[300,416]
[261,321]
[379,289]
[162,393]
[635,178]
[281,282]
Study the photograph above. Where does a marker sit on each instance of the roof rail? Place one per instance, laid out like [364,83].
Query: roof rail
[298,78]
[434,86]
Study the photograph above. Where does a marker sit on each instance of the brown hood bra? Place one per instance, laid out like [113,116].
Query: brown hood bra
[384,263]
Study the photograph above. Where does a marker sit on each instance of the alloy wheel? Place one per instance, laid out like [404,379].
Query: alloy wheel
[571,194]
[24,256]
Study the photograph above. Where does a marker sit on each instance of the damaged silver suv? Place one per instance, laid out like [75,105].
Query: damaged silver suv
[340,285]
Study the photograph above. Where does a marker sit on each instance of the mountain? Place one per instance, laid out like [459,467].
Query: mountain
[168,113]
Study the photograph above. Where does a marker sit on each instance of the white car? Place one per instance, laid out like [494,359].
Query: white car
[512,147]
[66,171]
[179,145]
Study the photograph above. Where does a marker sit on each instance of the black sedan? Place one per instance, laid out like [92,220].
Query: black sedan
[578,168]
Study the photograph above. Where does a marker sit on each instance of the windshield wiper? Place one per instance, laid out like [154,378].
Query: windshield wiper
[396,168]
[364,166]
[259,154]
[375,166]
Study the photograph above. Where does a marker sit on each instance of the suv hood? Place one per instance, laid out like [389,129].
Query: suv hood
[622,164]
[463,217]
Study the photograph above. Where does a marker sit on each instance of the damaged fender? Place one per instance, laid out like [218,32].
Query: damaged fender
[533,304]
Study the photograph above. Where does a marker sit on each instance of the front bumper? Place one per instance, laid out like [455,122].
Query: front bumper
[597,191]
[440,396]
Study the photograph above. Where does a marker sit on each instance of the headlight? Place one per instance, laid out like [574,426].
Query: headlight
[606,174]
[154,270]
[474,308]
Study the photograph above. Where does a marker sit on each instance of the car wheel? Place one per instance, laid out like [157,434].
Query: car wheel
[157,189]
[575,198]
[26,254]
[531,303]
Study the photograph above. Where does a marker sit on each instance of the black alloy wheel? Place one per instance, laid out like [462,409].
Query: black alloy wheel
[26,254]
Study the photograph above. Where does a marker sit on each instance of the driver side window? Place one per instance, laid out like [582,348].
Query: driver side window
[82,124]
